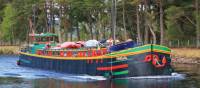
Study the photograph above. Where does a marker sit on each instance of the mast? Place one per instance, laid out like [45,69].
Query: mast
[113,16]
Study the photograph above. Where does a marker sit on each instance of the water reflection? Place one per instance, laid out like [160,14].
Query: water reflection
[11,82]
[51,83]
[147,83]
[12,76]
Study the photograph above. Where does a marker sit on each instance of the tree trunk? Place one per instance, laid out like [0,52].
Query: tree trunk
[153,33]
[51,16]
[91,32]
[124,21]
[46,19]
[59,28]
[104,32]
[146,36]
[31,25]
[90,26]
[161,23]
[78,32]
[197,24]
[87,31]
[100,28]
[71,36]
[138,25]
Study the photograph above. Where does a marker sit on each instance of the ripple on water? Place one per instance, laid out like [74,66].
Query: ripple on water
[12,74]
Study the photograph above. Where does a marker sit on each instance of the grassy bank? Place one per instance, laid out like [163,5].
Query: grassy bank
[9,50]
[186,52]
[186,55]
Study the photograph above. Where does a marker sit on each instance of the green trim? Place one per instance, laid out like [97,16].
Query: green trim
[45,35]
[162,46]
[159,47]
[117,61]
[146,48]
[120,73]
[136,49]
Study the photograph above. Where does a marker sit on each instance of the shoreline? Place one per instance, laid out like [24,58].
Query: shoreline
[9,50]
[185,60]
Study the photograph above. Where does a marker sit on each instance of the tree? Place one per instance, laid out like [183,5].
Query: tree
[7,24]
[145,20]
[138,9]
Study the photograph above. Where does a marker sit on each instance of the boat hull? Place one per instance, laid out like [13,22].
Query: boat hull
[123,65]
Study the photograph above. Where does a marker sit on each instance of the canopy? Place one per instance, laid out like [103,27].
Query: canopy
[43,35]
[91,43]
[67,44]
[70,45]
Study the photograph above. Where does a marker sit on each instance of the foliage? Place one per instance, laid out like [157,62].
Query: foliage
[7,24]
[91,19]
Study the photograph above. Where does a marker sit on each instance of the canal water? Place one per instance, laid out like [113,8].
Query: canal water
[13,76]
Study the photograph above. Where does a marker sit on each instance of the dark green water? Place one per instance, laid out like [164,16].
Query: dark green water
[13,76]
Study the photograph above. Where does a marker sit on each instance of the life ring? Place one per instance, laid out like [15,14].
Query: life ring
[155,60]
[148,58]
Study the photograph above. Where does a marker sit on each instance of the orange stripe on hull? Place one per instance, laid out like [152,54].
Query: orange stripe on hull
[112,68]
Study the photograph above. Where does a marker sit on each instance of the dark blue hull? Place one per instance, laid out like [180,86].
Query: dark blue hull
[65,66]
[134,65]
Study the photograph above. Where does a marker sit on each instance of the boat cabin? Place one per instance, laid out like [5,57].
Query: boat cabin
[40,41]
[43,38]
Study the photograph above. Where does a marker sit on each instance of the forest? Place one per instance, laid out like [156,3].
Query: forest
[146,21]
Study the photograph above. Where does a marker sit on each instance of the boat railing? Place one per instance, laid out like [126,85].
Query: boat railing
[25,48]
[73,53]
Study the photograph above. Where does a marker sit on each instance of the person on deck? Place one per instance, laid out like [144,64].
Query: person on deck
[47,46]
[111,41]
